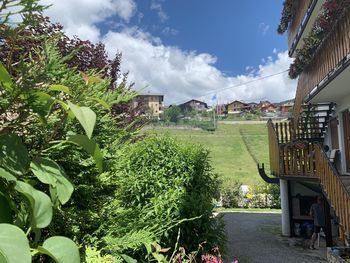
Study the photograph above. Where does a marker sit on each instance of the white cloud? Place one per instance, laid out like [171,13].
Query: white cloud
[179,75]
[156,5]
[264,28]
[79,17]
[183,75]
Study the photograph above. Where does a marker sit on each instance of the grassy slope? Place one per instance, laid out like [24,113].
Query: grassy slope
[230,158]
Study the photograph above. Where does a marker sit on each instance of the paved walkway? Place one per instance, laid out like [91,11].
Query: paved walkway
[256,238]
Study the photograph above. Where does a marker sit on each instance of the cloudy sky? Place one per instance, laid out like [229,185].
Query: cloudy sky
[188,49]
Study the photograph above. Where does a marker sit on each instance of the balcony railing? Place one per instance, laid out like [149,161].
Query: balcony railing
[273,149]
[307,160]
[298,21]
[333,188]
[329,56]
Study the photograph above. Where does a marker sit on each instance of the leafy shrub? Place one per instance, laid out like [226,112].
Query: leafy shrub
[263,195]
[161,185]
[231,195]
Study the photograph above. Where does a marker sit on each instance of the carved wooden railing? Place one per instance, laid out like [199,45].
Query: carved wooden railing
[331,53]
[305,160]
[333,188]
[307,130]
[273,149]
[297,160]
[298,18]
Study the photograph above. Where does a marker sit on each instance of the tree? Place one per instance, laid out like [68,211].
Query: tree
[172,113]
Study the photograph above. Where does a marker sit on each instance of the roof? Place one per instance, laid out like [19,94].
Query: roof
[238,102]
[151,95]
[193,100]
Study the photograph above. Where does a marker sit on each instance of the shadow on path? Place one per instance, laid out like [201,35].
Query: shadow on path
[256,238]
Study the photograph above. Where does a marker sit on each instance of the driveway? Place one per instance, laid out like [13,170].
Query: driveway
[256,238]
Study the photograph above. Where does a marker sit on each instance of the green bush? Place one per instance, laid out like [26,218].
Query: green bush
[160,184]
[231,195]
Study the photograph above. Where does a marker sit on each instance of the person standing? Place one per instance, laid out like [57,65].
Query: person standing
[317,213]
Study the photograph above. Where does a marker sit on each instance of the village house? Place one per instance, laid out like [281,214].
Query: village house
[310,154]
[150,104]
[266,107]
[236,107]
[194,105]
[286,106]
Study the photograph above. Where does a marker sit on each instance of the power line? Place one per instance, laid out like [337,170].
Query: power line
[238,85]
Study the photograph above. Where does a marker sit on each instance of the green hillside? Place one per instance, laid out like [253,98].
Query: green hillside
[230,157]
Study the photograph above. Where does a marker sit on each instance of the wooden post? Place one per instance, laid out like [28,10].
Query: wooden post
[328,224]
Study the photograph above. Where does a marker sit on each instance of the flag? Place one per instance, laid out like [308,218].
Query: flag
[213,98]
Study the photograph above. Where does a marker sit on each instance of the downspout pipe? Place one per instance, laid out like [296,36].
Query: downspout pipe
[264,176]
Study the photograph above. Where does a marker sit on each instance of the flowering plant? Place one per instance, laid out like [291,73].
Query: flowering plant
[287,15]
[332,11]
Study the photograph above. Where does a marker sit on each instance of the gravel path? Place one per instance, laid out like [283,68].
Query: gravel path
[256,238]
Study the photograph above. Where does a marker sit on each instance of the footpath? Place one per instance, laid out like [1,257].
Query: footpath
[256,238]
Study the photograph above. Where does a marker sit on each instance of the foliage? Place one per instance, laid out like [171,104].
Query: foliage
[172,114]
[21,170]
[288,12]
[332,11]
[231,196]
[263,195]
[61,169]
[163,188]
[24,8]
[53,121]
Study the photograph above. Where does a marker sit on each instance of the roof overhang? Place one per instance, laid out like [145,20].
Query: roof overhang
[335,86]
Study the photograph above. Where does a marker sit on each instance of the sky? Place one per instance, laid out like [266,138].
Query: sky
[189,49]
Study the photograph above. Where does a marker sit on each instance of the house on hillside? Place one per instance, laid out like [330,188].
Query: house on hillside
[194,105]
[237,107]
[310,154]
[150,104]
[221,110]
[253,105]
[286,106]
[266,107]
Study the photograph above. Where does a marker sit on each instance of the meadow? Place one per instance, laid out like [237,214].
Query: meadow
[228,152]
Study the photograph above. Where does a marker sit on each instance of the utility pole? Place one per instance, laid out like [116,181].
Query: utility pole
[214,119]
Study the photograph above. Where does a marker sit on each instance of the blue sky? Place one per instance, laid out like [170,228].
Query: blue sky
[188,49]
[238,33]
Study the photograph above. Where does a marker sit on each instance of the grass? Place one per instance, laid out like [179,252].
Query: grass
[247,210]
[228,153]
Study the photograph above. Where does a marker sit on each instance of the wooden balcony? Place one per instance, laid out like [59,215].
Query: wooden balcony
[300,160]
[299,25]
[329,60]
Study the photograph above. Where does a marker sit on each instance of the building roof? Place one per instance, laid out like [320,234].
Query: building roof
[237,101]
[151,95]
[194,100]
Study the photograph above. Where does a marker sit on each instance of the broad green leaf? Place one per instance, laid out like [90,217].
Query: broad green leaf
[62,88]
[66,108]
[42,103]
[100,101]
[14,245]
[39,202]
[5,210]
[49,172]
[128,259]
[5,77]
[60,249]
[6,175]
[13,154]
[85,116]
[89,146]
